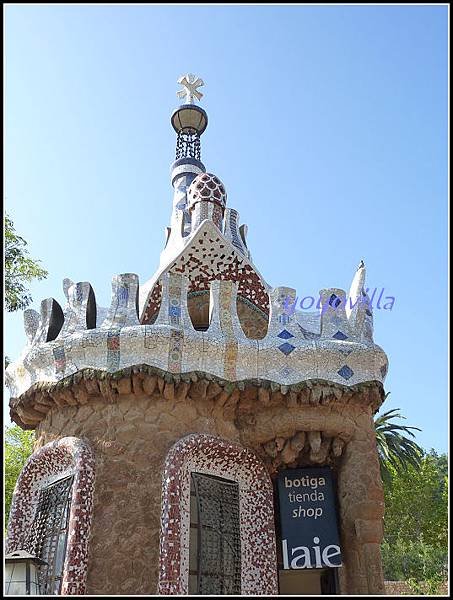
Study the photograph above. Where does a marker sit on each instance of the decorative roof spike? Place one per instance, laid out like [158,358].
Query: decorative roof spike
[356,289]
[80,311]
[190,84]
[123,311]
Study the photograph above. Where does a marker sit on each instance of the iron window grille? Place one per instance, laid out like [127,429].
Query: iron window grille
[49,531]
[215,540]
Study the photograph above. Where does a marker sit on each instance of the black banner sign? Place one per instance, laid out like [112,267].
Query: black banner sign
[308,519]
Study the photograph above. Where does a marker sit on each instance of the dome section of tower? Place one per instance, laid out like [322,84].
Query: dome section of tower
[207,187]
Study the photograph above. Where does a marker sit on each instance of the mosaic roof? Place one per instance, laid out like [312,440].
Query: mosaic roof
[205,252]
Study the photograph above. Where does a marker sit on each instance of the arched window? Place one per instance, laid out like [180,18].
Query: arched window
[51,513]
[217,525]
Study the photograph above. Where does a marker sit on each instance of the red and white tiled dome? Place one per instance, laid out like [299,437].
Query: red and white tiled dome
[207,187]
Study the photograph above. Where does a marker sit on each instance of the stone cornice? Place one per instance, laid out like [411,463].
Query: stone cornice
[30,408]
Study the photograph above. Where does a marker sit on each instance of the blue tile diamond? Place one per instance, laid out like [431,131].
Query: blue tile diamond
[286,348]
[334,301]
[285,335]
[345,372]
[340,336]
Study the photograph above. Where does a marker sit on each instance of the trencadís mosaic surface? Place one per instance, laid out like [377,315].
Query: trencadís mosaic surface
[330,345]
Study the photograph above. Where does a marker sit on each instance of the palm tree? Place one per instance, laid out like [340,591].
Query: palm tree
[395,449]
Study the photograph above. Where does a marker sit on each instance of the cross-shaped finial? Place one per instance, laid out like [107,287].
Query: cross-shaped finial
[190,84]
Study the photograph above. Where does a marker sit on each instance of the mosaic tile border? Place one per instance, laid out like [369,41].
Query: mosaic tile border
[54,460]
[214,456]
[156,345]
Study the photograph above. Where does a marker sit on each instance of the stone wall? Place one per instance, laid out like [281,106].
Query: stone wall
[132,422]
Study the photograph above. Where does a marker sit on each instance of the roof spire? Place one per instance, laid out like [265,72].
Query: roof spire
[189,120]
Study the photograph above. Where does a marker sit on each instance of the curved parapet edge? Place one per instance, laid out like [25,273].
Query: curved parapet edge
[283,360]
[342,352]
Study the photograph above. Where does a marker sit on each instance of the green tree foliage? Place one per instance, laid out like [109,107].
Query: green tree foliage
[415,547]
[413,561]
[18,447]
[396,450]
[20,269]
[416,502]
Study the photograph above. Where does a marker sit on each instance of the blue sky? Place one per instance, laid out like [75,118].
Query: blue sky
[327,125]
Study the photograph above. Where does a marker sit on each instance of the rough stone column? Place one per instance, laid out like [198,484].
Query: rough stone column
[361,500]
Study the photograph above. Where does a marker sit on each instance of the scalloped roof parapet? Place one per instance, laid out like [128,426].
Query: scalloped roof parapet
[336,346]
